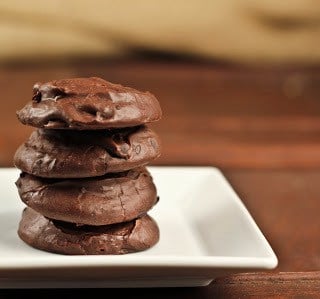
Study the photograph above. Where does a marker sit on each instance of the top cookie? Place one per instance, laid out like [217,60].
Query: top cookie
[88,103]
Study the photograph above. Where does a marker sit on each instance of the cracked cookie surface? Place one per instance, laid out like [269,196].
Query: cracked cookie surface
[101,200]
[88,104]
[78,154]
[67,238]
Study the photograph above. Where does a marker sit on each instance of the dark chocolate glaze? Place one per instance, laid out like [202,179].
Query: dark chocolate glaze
[67,238]
[88,103]
[78,154]
[102,200]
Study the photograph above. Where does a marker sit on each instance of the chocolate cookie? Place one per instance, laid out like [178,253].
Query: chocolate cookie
[78,154]
[67,238]
[88,103]
[102,200]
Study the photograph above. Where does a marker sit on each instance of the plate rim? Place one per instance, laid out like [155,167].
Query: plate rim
[270,261]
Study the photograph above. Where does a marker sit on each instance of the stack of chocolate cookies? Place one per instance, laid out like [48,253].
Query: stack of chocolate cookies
[83,170]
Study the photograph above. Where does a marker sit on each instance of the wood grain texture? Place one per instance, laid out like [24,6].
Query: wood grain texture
[228,117]
[260,126]
[286,206]
[257,285]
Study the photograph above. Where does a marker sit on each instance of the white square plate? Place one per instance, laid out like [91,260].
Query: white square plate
[205,232]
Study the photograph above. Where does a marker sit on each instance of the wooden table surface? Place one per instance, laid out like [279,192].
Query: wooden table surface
[260,126]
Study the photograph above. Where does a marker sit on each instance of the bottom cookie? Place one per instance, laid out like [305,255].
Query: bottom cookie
[70,239]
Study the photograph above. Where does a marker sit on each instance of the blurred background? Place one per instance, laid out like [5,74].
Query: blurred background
[242,31]
[238,80]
